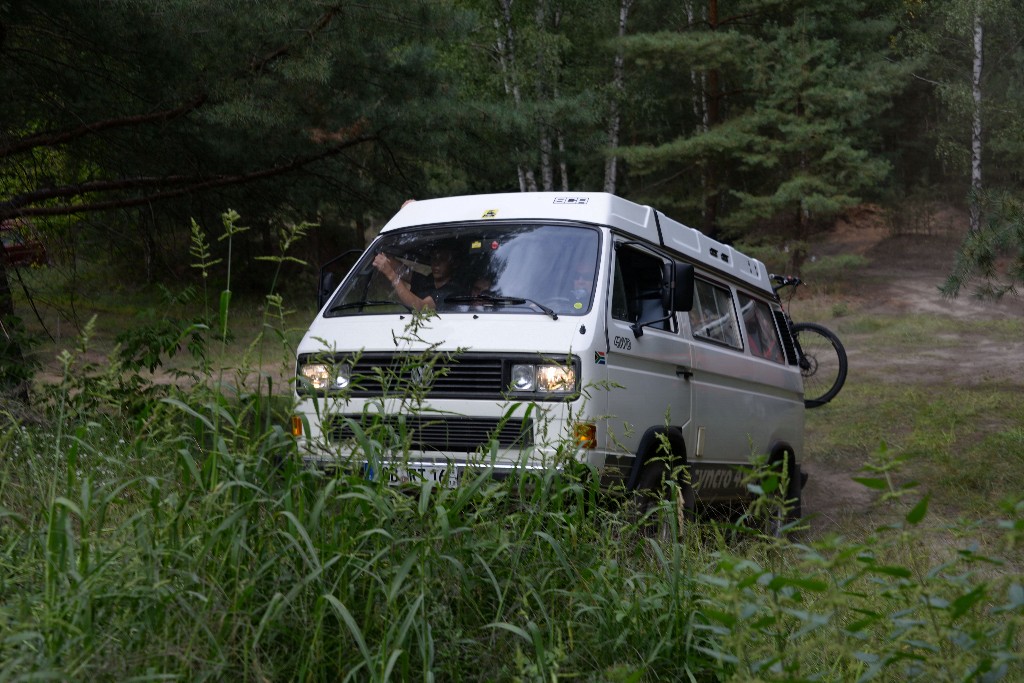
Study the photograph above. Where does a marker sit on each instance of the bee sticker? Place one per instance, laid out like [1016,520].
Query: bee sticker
[490,213]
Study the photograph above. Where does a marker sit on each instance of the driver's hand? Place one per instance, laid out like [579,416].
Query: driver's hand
[384,264]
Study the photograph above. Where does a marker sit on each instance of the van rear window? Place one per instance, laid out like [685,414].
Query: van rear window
[713,316]
[759,325]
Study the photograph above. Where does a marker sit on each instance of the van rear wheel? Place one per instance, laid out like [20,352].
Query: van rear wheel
[787,507]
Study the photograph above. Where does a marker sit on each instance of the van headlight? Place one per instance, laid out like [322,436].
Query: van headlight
[323,376]
[544,379]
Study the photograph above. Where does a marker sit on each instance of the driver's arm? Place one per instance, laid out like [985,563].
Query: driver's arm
[403,289]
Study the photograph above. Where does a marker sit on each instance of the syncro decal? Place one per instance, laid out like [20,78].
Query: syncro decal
[571,200]
[717,480]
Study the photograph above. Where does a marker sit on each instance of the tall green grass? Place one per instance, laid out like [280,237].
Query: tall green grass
[170,532]
[188,544]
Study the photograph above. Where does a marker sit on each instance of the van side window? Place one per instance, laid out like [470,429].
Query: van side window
[713,316]
[762,335]
[636,292]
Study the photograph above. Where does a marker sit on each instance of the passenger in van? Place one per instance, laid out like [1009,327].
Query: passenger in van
[421,293]
[583,280]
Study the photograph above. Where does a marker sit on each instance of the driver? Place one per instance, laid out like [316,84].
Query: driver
[425,294]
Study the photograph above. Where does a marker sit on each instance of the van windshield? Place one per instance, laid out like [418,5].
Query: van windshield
[490,268]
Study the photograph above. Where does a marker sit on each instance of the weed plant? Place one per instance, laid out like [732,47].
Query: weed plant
[178,536]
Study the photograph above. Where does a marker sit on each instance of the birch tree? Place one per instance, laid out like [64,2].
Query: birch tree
[552,114]
[976,129]
[970,52]
[618,90]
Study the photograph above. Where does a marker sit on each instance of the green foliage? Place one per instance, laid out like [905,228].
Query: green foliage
[192,544]
[17,364]
[939,36]
[184,538]
[148,344]
[153,108]
[993,257]
[788,132]
[762,117]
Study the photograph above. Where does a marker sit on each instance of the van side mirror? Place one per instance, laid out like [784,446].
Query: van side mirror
[328,282]
[677,286]
[329,274]
[676,291]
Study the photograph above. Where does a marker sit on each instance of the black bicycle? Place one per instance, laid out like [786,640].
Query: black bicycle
[819,353]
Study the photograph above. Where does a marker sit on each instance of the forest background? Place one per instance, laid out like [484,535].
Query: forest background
[756,121]
[153,530]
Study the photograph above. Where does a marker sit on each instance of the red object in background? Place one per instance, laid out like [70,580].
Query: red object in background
[20,248]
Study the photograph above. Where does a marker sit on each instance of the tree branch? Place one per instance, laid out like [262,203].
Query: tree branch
[21,205]
[321,24]
[52,139]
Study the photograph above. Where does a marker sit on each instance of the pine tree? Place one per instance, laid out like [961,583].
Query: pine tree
[783,101]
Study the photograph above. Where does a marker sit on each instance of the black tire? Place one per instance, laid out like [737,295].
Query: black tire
[652,488]
[823,363]
[789,511]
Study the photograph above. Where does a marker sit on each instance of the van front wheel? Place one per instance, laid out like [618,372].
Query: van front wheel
[663,500]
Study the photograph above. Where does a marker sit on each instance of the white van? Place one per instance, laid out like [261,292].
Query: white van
[552,319]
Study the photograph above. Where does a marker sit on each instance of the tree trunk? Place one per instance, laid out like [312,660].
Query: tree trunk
[976,187]
[12,358]
[698,82]
[611,164]
[507,64]
[712,101]
[542,71]
[563,167]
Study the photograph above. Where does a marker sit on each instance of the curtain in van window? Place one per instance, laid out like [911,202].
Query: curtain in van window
[759,324]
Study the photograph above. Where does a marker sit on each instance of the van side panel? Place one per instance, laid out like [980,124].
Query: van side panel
[648,384]
[743,404]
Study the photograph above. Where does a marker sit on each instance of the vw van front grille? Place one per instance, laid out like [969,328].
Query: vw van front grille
[435,433]
[466,376]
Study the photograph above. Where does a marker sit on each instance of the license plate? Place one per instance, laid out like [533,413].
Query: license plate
[447,477]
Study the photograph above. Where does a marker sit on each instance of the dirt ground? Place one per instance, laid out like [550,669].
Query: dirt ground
[902,277]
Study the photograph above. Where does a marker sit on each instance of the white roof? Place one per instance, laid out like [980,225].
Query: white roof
[599,208]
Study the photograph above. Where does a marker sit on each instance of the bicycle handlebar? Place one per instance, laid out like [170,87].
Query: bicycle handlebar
[785,281]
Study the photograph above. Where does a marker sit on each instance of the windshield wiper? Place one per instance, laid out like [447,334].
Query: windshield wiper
[367,302]
[499,301]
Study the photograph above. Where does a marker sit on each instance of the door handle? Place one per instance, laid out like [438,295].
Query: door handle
[684,372]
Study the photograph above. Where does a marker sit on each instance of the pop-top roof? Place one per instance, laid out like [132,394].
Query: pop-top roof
[599,208]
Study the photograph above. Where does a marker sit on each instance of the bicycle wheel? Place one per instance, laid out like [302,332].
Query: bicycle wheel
[822,362]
